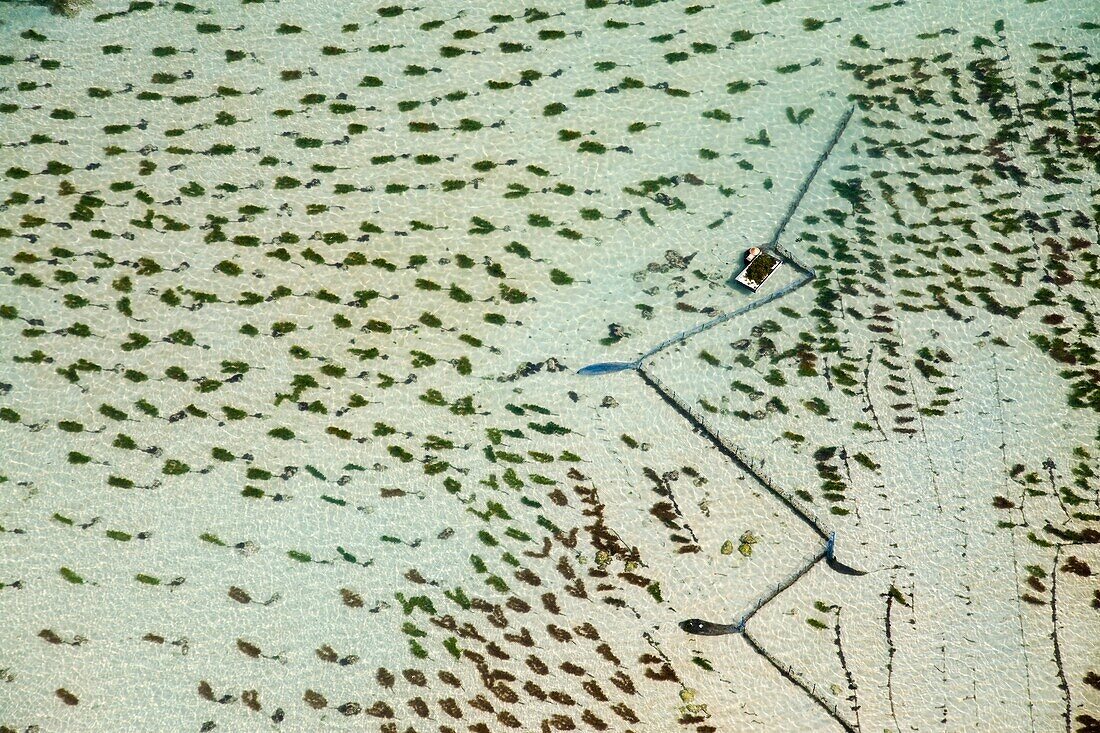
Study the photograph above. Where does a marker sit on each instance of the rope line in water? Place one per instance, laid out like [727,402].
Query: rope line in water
[827,552]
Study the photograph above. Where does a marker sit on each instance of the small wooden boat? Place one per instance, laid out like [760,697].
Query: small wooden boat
[759,266]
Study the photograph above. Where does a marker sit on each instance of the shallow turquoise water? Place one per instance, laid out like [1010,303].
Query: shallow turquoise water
[294,301]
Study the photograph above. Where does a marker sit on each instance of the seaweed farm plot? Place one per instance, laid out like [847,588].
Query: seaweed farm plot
[945,355]
[293,300]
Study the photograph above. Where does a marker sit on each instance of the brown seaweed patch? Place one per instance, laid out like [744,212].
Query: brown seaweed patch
[593,688]
[251,698]
[534,690]
[518,605]
[350,709]
[416,677]
[523,638]
[451,707]
[238,595]
[593,720]
[380,709]
[314,699]
[66,697]
[419,707]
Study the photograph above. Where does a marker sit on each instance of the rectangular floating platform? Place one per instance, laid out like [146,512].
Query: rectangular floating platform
[758,270]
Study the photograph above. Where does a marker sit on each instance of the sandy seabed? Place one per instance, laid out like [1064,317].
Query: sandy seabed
[292,305]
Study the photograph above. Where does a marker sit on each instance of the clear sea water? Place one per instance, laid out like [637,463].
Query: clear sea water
[294,300]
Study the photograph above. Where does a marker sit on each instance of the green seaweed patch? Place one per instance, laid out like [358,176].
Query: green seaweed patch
[174,467]
[71,576]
